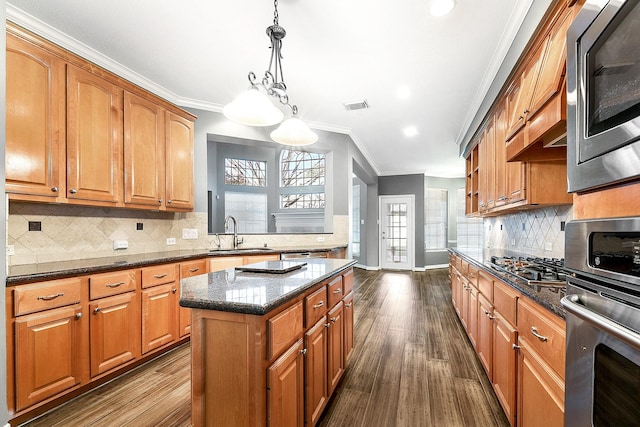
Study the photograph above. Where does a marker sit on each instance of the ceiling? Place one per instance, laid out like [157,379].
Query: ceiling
[197,53]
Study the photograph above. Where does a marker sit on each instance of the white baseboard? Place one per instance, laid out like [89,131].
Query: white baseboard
[435,266]
[419,269]
[366,267]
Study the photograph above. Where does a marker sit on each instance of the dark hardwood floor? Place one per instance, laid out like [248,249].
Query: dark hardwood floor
[412,366]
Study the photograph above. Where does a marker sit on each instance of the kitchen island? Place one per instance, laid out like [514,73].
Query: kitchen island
[265,346]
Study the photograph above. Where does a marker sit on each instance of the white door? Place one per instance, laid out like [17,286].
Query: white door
[397,232]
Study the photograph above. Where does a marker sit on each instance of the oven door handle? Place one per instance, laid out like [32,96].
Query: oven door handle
[573,306]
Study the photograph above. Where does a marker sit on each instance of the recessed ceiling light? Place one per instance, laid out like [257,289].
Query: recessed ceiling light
[441,7]
[410,131]
[403,92]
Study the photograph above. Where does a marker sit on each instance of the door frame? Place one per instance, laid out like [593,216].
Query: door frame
[410,199]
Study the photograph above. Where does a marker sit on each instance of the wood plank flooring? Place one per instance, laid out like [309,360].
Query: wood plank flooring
[412,366]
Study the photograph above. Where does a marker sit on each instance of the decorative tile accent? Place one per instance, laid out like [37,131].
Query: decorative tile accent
[73,232]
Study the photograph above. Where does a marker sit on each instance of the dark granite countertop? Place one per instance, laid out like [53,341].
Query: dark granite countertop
[548,298]
[255,293]
[27,273]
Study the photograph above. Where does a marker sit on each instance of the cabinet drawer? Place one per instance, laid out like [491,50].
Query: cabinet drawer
[464,267]
[158,275]
[193,268]
[485,285]
[550,330]
[335,291]
[315,306]
[347,282]
[472,275]
[44,296]
[104,285]
[505,300]
[284,329]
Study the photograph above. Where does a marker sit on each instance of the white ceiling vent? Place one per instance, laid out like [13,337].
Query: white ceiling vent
[357,105]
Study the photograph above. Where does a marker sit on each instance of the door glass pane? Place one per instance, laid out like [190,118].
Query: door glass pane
[616,389]
[396,240]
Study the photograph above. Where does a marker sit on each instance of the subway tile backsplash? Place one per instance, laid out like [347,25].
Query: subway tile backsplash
[76,232]
[536,232]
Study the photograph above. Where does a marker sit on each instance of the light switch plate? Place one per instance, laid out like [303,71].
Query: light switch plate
[189,233]
[120,244]
[548,246]
[11,250]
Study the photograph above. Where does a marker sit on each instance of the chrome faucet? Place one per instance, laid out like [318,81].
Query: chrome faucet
[236,240]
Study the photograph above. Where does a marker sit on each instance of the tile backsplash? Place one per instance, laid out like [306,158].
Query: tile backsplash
[536,232]
[75,232]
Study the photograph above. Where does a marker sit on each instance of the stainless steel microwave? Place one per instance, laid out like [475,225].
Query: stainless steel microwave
[603,94]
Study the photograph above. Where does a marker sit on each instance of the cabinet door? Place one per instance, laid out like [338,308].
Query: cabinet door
[540,391]
[114,325]
[505,361]
[483,161]
[519,95]
[223,262]
[315,371]
[179,162]
[516,185]
[35,121]
[285,389]
[484,346]
[159,326]
[335,346]
[490,164]
[472,319]
[348,326]
[144,165]
[500,152]
[94,138]
[49,354]
[189,269]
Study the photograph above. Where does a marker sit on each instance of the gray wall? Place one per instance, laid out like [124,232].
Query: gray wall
[433,258]
[408,184]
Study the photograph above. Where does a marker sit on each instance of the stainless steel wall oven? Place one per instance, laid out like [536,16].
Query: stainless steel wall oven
[603,322]
[603,94]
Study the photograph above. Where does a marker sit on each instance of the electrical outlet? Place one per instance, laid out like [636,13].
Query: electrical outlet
[189,233]
[120,244]
[548,246]
[171,241]
[513,242]
[11,250]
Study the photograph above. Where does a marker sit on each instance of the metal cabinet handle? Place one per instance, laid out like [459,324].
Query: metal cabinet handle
[55,189]
[334,319]
[520,118]
[160,201]
[78,315]
[50,297]
[326,325]
[501,198]
[96,310]
[515,346]
[303,351]
[114,285]
[174,290]
[489,315]
[170,201]
[337,291]
[73,191]
[534,332]
[347,305]
[318,305]
[159,276]
[193,270]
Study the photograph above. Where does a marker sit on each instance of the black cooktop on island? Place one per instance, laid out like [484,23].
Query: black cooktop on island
[537,273]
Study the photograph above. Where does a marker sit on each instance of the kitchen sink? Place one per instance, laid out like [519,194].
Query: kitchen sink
[239,250]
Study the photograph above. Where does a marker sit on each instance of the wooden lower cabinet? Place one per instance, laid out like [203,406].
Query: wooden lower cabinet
[114,332]
[285,388]
[484,343]
[189,269]
[505,360]
[159,326]
[348,326]
[315,340]
[50,353]
[335,346]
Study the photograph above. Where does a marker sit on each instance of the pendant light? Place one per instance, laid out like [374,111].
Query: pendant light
[255,108]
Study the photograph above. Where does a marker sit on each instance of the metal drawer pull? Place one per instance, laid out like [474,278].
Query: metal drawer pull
[193,270]
[347,305]
[515,346]
[489,315]
[534,332]
[159,276]
[174,290]
[318,305]
[326,325]
[50,297]
[114,285]
[78,315]
[96,310]
[337,291]
[303,351]
[54,189]
[333,319]
[73,191]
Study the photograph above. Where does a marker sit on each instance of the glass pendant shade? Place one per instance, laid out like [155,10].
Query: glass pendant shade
[253,108]
[442,7]
[294,132]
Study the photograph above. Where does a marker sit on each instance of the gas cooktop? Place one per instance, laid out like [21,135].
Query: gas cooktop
[537,273]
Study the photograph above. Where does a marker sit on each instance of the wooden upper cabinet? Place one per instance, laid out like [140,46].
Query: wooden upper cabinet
[519,95]
[179,162]
[94,137]
[482,175]
[500,154]
[35,121]
[552,65]
[490,163]
[143,151]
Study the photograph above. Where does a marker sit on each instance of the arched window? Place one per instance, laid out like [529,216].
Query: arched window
[302,180]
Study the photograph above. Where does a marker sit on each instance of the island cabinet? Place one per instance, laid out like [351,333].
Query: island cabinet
[519,344]
[79,134]
[277,368]
[189,269]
